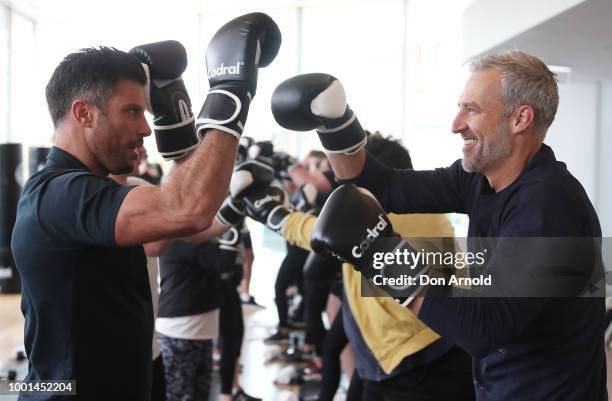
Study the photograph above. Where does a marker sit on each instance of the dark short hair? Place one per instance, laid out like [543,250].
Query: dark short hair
[91,74]
[317,154]
[388,151]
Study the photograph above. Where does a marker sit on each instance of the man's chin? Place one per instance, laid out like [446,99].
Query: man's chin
[469,166]
[122,170]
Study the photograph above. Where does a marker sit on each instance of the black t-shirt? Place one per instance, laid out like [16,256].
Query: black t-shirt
[86,302]
[189,279]
[523,348]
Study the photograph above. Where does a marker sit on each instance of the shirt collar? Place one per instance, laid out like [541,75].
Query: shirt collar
[544,155]
[60,158]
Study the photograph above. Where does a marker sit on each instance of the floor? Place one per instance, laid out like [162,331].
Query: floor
[257,376]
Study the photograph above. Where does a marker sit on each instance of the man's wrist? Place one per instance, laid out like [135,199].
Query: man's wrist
[351,168]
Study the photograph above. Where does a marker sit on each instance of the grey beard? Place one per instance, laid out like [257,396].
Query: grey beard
[500,148]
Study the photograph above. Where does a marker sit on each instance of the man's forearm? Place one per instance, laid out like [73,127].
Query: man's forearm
[347,167]
[198,184]
[216,229]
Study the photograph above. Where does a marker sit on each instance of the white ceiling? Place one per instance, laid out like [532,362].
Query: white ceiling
[580,38]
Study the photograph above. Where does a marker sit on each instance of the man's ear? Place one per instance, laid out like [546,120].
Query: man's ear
[82,112]
[522,118]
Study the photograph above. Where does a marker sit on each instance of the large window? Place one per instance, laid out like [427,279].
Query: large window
[434,78]
[398,59]
[17,49]
[4,71]
[22,87]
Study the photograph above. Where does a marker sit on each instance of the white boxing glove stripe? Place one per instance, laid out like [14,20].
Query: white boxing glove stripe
[350,150]
[222,128]
[174,126]
[231,118]
[178,152]
[324,130]
[276,226]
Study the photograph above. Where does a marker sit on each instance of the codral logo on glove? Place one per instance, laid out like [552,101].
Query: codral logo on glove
[260,202]
[371,235]
[224,70]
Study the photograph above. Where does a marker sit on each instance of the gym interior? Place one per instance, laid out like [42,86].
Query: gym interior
[403,65]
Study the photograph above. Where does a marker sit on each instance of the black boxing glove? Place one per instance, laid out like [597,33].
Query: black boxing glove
[281,162]
[304,198]
[318,101]
[267,205]
[354,227]
[231,212]
[244,144]
[233,58]
[167,98]
[250,175]
[321,268]
[229,243]
[261,149]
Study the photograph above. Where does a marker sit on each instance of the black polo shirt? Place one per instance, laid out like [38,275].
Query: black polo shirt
[522,348]
[86,302]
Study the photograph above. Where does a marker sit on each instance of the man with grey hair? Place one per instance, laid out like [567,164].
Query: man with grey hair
[510,185]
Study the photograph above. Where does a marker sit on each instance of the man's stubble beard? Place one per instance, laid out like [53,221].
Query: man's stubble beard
[497,147]
[107,156]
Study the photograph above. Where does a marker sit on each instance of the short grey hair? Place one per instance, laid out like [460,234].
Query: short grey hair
[526,80]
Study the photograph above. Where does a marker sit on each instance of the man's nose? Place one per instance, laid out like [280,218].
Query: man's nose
[459,125]
[146,129]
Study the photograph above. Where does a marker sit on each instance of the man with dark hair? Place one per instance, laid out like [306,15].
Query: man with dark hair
[314,169]
[91,74]
[317,156]
[389,151]
[78,236]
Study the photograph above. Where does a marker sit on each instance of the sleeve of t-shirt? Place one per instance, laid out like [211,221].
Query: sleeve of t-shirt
[298,229]
[80,208]
[481,325]
[443,190]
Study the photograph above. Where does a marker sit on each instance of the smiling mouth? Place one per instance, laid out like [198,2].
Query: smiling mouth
[138,149]
[469,141]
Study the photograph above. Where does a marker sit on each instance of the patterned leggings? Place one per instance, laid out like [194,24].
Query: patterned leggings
[188,365]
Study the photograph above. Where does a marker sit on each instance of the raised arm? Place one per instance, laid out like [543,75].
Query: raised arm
[187,202]
[318,101]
